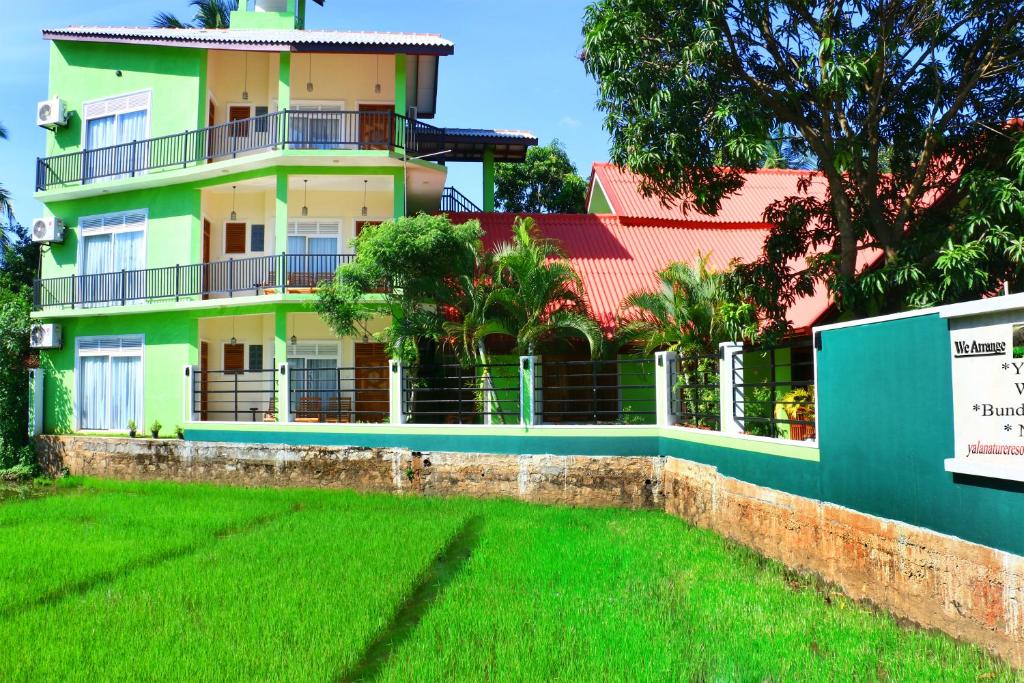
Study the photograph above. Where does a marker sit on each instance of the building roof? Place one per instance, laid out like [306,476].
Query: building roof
[746,206]
[468,144]
[615,257]
[270,40]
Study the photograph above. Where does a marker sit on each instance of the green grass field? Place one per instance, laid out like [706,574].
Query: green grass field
[116,581]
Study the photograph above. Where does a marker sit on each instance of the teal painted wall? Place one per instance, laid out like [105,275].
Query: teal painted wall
[82,71]
[886,416]
[174,214]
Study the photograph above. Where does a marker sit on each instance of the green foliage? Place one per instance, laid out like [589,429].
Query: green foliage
[16,270]
[547,182]
[540,292]
[892,101]
[413,264]
[132,428]
[209,14]
[691,312]
[154,429]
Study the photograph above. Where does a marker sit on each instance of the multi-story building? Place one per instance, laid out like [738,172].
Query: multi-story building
[198,184]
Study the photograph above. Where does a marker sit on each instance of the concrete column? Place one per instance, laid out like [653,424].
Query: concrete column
[530,391]
[284,403]
[489,179]
[730,413]
[284,81]
[36,407]
[398,196]
[664,387]
[188,408]
[401,101]
[281,215]
[396,382]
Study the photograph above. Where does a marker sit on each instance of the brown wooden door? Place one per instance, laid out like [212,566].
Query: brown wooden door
[206,258]
[372,382]
[211,119]
[204,380]
[376,126]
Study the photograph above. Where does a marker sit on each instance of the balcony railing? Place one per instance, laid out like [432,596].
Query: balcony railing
[250,276]
[454,201]
[287,129]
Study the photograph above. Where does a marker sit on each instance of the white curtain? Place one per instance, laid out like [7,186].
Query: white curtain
[101,132]
[323,246]
[93,392]
[128,255]
[97,257]
[132,127]
[125,391]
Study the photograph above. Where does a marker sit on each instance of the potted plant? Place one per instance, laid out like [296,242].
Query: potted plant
[132,428]
[179,431]
[155,428]
[799,405]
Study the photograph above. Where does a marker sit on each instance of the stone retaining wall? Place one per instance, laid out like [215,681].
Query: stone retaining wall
[969,591]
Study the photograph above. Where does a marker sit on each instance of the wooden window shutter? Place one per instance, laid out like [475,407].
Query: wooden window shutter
[239,125]
[234,357]
[234,238]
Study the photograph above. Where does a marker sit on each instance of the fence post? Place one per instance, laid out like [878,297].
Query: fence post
[664,381]
[188,404]
[730,414]
[35,406]
[529,388]
[284,408]
[396,382]
[489,400]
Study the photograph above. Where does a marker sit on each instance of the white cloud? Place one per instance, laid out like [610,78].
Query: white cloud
[569,121]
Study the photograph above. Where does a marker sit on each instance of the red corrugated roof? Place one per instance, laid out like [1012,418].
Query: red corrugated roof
[761,188]
[616,257]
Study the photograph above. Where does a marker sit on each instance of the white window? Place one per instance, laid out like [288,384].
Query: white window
[110,125]
[111,243]
[321,125]
[108,377]
[313,367]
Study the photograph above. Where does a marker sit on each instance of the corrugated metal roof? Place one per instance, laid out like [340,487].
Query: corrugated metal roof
[615,258]
[747,205]
[260,39]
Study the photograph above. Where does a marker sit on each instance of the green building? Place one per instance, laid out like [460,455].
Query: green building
[199,184]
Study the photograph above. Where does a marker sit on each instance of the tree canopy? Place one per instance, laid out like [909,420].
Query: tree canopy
[893,100]
[547,182]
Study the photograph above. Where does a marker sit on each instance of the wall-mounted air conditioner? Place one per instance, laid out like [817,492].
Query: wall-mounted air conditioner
[48,229]
[51,113]
[45,336]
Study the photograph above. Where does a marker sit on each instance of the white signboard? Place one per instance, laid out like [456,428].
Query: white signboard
[987,356]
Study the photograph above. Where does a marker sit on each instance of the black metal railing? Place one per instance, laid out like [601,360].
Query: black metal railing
[695,391]
[287,129]
[233,277]
[452,393]
[234,396]
[619,391]
[341,395]
[773,391]
[454,201]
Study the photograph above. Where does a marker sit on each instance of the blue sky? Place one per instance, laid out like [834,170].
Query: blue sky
[515,66]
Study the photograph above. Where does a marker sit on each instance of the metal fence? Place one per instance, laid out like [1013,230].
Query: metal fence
[695,391]
[339,394]
[773,391]
[284,129]
[235,396]
[233,277]
[453,393]
[615,391]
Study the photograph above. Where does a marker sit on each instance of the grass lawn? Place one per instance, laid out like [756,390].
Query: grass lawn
[116,581]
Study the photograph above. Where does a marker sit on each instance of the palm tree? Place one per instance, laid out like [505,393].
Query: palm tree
[6,205]
[540,292]
[478,316]
[209,14]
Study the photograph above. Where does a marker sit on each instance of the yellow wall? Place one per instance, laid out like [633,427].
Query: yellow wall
[336,78]
[252,206]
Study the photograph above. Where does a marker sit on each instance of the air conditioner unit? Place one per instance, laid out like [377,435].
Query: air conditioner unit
[45,336]
[51,113]
[48,229]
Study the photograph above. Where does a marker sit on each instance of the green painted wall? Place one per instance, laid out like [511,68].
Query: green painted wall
[82,71]
[174,215]
[636,399]
[598,201]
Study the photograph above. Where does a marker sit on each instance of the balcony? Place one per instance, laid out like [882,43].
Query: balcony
[287,129]
[253,276]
